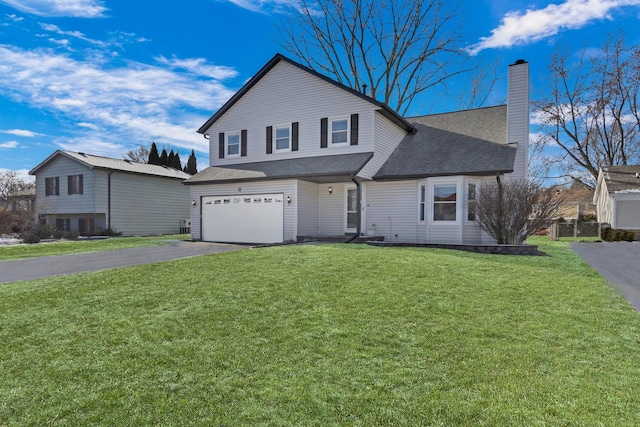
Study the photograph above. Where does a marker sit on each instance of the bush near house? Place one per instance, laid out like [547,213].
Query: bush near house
[616,235]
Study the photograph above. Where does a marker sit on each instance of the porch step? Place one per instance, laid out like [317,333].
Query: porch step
[339,239]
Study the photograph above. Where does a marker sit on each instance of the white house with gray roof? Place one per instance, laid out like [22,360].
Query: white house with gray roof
[617,197]
[294,154]
[89,194]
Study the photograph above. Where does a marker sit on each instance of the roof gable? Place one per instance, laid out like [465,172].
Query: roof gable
[268,67]
[108,163]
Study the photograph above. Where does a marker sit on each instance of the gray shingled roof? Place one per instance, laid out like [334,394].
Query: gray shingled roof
[109,163]
[437,152]
[489,123]
[621,179]
[317,169]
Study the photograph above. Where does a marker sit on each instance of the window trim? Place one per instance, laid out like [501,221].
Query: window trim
[431,200]
[226,143]
[467,200]
[275,138]
[330,131]
[422,202]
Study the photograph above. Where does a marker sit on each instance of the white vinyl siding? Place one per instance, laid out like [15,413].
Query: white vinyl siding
[518,117]
[287,187]
[300,97]
[331,209]
[391,210]
[308,208]
[387,136]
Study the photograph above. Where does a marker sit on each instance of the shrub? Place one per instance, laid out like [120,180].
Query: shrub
[609,234]
[29,237]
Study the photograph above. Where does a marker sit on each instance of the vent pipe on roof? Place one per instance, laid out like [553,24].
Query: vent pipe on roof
[637,174]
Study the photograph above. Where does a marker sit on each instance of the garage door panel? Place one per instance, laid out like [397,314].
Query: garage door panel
[255,218]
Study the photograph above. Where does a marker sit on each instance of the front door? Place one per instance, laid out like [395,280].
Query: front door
[351,214]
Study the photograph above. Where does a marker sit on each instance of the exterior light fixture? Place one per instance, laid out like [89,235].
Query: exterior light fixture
[193,202]
[330,190]
[289,199]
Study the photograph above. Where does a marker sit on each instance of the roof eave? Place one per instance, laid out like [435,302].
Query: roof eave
[384,109]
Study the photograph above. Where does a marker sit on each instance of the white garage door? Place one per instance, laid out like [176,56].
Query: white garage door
[257,218]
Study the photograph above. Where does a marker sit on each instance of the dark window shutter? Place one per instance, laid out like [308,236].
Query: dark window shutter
[294,136]
[69,184]
[81,185]
[324,124]
[221,145]
[243,143]
[57,189]
[354,129]
[269,139]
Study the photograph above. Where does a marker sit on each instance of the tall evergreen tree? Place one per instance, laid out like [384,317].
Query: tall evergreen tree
[192,164]
[177,163]
[154,158]
[164,158]
[171,159]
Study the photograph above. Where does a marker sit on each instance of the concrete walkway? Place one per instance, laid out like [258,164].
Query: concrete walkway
[618,263]
[39,268]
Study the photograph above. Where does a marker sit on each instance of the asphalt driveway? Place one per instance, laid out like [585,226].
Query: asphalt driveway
[39,268]
[618,263]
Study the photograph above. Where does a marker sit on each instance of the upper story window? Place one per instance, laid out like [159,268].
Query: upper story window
[52,186]
[233,144]
[282,136]
[445,202]
[74,184]
[340,131]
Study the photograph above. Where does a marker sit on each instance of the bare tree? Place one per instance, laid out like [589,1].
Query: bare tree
[138,155]
[398,49]
[592,112]
[512,210]
[15,214]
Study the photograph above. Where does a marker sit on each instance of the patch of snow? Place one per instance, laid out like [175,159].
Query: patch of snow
[9,240]
[631,191]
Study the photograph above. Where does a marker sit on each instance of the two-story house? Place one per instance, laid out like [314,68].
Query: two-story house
[89,194]
[294,153]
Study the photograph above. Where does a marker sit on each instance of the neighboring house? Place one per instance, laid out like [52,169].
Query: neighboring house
[294,154]
[22,201]
[617,197]
[576,200]
[89,194]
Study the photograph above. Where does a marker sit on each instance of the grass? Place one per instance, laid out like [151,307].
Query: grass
[320,336]
[64,247]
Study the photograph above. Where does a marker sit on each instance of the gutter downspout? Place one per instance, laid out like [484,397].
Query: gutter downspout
[356,180]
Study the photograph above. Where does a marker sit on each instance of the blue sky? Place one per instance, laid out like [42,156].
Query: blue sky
[104,76]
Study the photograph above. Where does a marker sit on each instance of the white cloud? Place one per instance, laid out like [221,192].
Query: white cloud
[127,104]
[264,6]
[9,144]
[533,25]
[14,17]
[198,66]
[76,34]
[69,8]
[21,132]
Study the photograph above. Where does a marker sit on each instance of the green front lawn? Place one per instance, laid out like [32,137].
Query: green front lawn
[64,247]
[323,335]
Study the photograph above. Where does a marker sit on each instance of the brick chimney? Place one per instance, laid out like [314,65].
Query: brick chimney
[518,115]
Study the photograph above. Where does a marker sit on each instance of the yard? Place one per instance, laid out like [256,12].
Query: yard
[323,335]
